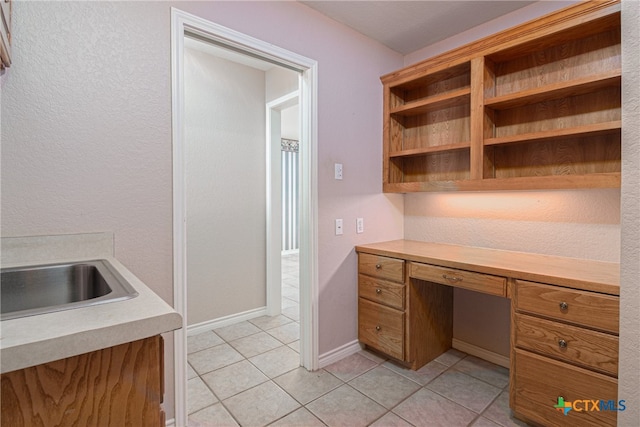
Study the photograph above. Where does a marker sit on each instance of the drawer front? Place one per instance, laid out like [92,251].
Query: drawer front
[590,349]
[479,282]
[381,267]
[381,291]
[584,308]
[381,328]
[539,381]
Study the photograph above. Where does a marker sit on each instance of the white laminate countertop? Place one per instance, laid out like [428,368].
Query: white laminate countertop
[33,340]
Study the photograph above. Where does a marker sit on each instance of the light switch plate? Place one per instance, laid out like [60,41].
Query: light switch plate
[339,230]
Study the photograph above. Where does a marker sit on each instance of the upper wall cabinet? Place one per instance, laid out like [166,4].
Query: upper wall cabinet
[5,30]
[534,107]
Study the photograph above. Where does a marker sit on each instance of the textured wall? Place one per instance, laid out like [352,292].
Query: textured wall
[226,195]
[629,371]
[86,134]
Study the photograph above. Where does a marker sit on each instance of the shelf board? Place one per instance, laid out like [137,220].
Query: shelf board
[556,90]
[435,102]
[436,149]
[553,182]
[550,135]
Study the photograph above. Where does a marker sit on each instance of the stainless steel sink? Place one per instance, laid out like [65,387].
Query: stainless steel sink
[27,291]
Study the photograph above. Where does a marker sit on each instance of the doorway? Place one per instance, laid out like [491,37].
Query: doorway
[184,25]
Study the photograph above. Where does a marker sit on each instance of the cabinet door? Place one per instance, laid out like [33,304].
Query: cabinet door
[116,386]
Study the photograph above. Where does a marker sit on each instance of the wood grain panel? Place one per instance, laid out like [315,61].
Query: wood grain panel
[566,61]
[440,166]
[117,386]
[444,126]
[485,283]
[430,318]
[582,308]
[589,349]
[381,291]
[381,267]
[540,380]
[381,327]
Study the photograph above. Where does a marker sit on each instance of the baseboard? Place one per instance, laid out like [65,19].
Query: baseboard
[339,353]
[481,353]
[170,423]
[225,321]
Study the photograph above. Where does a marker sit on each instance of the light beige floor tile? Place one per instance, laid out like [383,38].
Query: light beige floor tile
[191,373]
[277,361]
[233,379]
[373,356]
[261,405]
[203,340]
[238,330]
[347,407]
[212,416]
[391,420]
[483,422]
[268,322]
[351,366]
[300,418]
[429,409]
[291,293]
[287,303]
[295,346]
[306,386]
[213,358]
[198,395]
[255,344]
[499,412]
[292,312]
[423,375]
[384,386]
[465,390]
[286,333]
[483,370]
[451,357]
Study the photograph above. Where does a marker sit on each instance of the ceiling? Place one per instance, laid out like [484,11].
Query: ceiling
[406,26]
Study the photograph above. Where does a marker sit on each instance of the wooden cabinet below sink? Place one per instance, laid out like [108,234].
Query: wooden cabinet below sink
[116,386]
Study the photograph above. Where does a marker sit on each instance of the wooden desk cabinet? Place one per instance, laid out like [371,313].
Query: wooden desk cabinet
[116,386]
[564,320]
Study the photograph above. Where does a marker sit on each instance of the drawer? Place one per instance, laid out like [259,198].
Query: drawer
[381,327]
[590,349]
[584,308]
[381,266]
[479,282]
[539,381]
[381,291]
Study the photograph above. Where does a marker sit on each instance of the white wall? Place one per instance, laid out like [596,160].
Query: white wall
[225,151]
[86,135]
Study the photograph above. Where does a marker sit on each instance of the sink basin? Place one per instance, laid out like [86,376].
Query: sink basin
[31,290]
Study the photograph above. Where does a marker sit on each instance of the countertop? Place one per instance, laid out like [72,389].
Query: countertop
[588,275]
[33,340]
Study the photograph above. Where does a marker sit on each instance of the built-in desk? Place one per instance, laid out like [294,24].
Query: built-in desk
[564,318]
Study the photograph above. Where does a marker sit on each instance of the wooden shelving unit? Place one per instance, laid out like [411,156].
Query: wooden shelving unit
[534,107]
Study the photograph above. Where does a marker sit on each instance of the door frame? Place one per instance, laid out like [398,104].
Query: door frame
[182,23]
[274,199]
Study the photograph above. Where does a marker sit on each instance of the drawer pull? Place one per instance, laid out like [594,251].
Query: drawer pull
[378,266]
[377,328]
[453,278]
[562,344]
[564,306]
[378,291]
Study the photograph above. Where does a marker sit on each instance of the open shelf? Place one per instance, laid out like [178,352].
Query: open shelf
[535,106]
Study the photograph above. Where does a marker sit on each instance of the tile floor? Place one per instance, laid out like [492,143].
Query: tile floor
[248,374]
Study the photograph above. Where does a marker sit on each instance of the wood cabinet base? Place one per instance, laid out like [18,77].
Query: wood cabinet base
[116,386]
